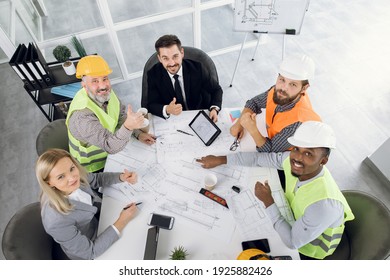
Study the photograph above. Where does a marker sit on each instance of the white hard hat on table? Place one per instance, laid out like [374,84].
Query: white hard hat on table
[313,134]
[297,68]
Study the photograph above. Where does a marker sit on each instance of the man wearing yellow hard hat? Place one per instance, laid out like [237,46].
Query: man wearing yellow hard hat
[98,124]
[320,209]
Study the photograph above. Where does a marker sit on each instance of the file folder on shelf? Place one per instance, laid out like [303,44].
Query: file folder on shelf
[34,70]
[42,65]
[21,63]
[69,90]
[13,63]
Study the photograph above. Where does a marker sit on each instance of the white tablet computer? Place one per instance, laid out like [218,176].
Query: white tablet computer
[205,128]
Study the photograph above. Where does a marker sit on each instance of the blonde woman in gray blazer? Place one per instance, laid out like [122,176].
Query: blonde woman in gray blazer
[67,204]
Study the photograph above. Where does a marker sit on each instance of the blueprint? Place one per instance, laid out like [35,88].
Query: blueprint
[270,16]
[172,145]
[170,178]
[249,212]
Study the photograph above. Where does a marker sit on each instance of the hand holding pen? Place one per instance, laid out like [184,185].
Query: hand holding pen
[131,204]
[126,215]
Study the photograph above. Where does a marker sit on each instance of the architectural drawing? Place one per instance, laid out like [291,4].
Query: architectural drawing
[261,11]
[170,182]
[248,211]
[199,213]
[172,145]
[270,16]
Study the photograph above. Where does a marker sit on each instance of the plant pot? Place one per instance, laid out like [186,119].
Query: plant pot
[69,68]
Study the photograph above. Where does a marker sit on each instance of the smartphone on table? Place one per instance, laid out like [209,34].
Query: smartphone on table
[261,244]
[161,221]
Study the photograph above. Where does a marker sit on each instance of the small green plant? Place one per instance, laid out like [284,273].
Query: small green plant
[78,46]
[178,253]
[62,53]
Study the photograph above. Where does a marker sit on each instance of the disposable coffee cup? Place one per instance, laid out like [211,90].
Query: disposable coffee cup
[145,126]
[210,180]
[143,111]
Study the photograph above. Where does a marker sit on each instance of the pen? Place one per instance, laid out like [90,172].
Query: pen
[127,207]
[181,131]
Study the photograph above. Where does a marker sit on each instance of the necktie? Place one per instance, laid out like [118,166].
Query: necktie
[179,93]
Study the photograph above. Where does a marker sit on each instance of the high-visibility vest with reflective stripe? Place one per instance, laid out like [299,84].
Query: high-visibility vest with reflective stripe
[301,112]
[321,188]
[92,157]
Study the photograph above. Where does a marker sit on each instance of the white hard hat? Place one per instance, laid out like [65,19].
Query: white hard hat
[313,134]
[297,68]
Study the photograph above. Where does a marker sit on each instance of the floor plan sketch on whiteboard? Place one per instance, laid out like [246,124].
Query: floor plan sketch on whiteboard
[262,11]
[270,16]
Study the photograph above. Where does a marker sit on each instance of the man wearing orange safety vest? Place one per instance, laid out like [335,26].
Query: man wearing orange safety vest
[286,104]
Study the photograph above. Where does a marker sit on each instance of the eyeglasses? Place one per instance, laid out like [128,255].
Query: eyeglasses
[235,145]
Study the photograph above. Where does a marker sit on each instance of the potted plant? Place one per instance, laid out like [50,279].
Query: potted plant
[178,253]
[62,54]
[78,46]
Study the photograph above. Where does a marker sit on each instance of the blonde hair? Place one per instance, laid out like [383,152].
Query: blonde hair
[43,167]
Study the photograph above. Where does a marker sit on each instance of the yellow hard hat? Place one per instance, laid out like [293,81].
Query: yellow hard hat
[253,254]
[92,65]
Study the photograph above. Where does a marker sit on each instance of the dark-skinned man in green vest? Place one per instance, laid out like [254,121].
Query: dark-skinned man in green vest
[320,209]
[98,124]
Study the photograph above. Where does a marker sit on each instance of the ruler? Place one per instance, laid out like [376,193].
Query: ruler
[214,197]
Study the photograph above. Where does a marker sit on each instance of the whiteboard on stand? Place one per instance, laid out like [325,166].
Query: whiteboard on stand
[270,16]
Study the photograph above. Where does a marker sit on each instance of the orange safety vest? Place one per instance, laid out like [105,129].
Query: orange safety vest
[276,121]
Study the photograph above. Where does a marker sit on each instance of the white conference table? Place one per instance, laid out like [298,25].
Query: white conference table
[169,180]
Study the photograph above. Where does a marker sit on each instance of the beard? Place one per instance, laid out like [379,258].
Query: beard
[285,100]
[173,69]
[295,174]
[99,98]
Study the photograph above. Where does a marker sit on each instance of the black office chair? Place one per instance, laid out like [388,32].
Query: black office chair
[367,237]
[192,53]
[52,135]
[25,238]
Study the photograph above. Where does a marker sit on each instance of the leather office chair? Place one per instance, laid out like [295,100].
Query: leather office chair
[52,135]
[367,237]
[192,53]
[25,238]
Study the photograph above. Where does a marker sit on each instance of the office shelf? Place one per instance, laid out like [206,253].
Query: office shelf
[48,102]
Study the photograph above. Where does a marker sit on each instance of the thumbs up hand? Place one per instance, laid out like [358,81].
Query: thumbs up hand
[134,120]
[173,108]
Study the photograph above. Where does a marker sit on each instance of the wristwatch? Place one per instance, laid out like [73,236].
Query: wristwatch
[216,109]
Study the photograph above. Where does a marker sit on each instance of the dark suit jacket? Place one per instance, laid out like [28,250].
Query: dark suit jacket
[201,90]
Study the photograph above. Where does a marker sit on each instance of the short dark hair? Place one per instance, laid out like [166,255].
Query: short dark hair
[305,82]
[326,152]
[167,41]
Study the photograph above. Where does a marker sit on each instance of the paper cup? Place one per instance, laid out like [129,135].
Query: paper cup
[144,112]
[210,180]
[145,124]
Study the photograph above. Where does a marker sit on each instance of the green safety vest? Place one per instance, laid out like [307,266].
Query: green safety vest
[93,158]
[321,188]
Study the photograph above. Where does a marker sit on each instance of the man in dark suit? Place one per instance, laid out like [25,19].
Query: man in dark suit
[176,84]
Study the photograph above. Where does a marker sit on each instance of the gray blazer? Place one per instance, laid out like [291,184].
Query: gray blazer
[76,232]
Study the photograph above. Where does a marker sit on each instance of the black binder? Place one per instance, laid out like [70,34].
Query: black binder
[41,63]
[21,63]
[14,65]
[32,66]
